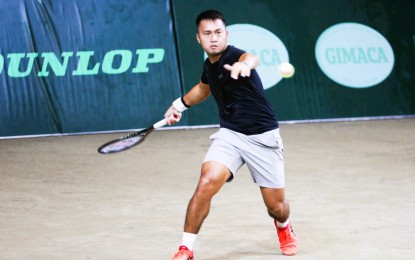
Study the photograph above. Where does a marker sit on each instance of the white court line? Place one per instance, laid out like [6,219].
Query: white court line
[350,119]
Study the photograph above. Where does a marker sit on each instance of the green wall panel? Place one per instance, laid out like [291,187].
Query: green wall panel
[120,71]
[311,94]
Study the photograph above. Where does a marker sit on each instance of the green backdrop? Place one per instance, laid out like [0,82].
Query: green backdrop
[147,56]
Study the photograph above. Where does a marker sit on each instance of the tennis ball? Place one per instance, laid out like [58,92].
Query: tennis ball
[286,70]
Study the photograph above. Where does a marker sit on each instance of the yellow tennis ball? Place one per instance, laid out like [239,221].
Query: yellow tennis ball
[286,70]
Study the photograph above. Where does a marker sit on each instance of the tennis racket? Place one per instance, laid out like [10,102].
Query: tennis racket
[130,140]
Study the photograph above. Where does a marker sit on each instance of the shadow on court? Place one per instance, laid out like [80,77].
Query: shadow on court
[350,185]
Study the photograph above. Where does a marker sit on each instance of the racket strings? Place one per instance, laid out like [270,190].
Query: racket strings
[122,144]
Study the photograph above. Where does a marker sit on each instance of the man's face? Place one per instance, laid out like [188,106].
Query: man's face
[213,37]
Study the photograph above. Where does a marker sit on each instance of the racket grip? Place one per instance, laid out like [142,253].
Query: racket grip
[160,123]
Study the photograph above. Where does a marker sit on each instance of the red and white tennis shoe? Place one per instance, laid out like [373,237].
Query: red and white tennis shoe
[288,240]
[183,254]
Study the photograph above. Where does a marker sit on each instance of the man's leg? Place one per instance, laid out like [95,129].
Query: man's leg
[279,209]
[212,178]
[274,199]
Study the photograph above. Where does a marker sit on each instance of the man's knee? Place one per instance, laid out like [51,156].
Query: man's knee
[279,210]
[214,173]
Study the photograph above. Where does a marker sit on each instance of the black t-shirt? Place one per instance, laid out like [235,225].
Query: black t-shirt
[243,106]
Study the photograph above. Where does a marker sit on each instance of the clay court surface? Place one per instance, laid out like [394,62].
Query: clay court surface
[351,186]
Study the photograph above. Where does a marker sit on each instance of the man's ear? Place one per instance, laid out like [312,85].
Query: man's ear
[198,38]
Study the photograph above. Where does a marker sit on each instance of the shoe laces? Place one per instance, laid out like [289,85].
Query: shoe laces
[285,233]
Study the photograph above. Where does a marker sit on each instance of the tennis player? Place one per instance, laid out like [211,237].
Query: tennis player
[248,133]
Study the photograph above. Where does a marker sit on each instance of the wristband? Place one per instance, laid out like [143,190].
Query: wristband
[180,105]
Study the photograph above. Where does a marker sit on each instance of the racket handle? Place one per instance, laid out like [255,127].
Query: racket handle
[160,123]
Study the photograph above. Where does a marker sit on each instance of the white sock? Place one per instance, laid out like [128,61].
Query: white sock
[189,240]
[283,225]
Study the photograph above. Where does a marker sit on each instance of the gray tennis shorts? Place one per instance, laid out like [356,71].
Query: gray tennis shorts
[262,153]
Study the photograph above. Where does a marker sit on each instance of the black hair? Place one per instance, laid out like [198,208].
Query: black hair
[209,15]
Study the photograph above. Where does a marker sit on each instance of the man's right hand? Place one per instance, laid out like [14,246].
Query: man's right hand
[172,116]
